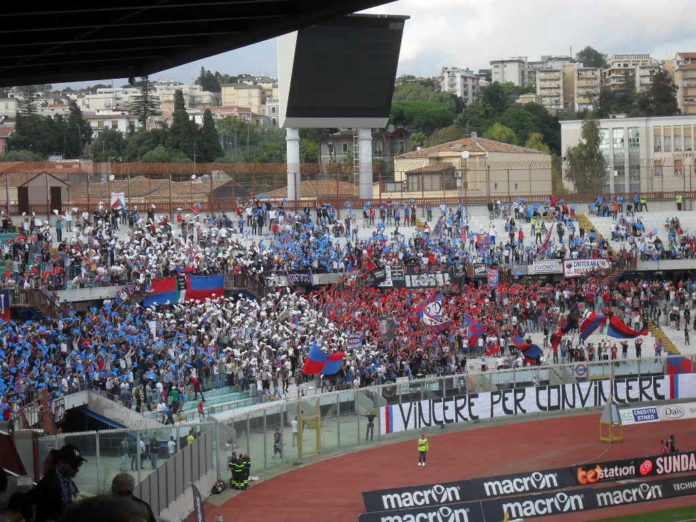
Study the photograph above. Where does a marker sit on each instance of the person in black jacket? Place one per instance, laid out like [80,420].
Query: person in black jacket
[123,486]
[56,490]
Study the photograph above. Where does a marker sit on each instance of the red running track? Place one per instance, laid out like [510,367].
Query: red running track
[331,489]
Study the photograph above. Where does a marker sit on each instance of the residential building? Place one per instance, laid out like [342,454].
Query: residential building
[546,62]
[121,121]
[638,66]
[343,145]
[586,86]
[485,75]
[487,169]
[8,107]
[53,109]
[6,131]
[194,95]
[528,97]
[512,70]
[460,82]
[244,95]
[271,109]
[549,88]
[683,73]
[641,154]
[106,99]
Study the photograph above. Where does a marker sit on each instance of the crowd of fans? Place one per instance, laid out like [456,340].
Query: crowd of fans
[157,358]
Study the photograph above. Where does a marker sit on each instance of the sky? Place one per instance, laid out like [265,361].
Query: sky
[470,33]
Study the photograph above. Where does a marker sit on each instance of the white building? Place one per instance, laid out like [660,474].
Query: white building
[642,154]
[8,107]
[463,83]
[121,121]
[512,70]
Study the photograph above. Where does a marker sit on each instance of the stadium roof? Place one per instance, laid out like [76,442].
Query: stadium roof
[84,40]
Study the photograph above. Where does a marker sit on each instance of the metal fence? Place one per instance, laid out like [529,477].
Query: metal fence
[332,420]
[218,187]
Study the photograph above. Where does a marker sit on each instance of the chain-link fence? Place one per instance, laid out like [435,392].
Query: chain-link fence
[45,188]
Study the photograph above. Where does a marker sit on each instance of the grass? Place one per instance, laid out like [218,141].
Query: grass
[675,514]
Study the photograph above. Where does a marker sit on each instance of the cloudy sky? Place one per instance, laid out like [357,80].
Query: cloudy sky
[470,33]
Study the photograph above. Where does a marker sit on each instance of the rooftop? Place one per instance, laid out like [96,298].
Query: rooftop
[473,144]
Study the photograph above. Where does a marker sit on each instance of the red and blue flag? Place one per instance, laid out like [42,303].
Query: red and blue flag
[177,289]
[317,361]
[590,324]
[474,330]
[677,365]
[618,329]
[431,315]
[531,352]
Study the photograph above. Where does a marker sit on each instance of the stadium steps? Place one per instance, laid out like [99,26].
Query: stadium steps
[667,345]
[588,226]
[215,397]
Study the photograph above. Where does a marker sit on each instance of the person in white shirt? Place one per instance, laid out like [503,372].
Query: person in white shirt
[171,447]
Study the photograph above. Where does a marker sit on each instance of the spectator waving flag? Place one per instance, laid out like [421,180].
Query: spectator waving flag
[590,324]
[531,352]
[474,330]
[431,315]
[617,328]
[317,361]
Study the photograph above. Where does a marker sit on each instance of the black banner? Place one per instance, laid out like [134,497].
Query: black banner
[299,279]
[544,504]
[518,483]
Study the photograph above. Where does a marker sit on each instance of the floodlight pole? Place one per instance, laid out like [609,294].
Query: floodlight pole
[292,141]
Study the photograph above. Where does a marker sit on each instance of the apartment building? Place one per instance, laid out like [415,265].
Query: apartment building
[244,95]
[194,95]
[549,88]
[512,70]
[120,121]
[586,87]
[463,83]
[642,154]
[683,72]
[545,63]
[639,66]
[8,107]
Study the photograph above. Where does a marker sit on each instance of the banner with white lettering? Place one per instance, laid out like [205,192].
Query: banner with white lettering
[665,412]
[416,415]
[541,504]
[581,267]
[546,266]
[530,482]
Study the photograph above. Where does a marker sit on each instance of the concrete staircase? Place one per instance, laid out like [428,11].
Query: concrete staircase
[588,226]
[659,334]
[227,397]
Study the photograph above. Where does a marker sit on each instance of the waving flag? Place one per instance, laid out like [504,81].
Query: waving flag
[474,330]
[590,324]
[317,361]
[492,350]
[431,315]
[618,329]
[177,289]
[676,365]
[531,352]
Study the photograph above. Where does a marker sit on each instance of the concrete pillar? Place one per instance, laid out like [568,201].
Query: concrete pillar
[365,160]
[292,140]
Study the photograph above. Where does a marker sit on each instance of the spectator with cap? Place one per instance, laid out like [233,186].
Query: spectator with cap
[57,490]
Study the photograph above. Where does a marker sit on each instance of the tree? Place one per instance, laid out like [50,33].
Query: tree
[183,132]
[210,141]
[208,81]
[586,166]
[417,139]
[309,151]
[547,124]
[29,95]
[141,142]
[444,135]
[661,98]
[109,144]
[79,133]
[40,134]
[520,121]
[536,142]
[427,92]
[499,132]
[162,154]
[421,116]
[145,103]
[590,57]
[21,155]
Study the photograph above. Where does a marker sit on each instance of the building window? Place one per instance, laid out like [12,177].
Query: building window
[495,186]
[273,110]
[402,147]
[678,167]
[516,186]
[687,139]
[657,170]
[657,143]
[378,148]
[668,143]
[114,124]
[331,149]
[413,183]
[100,124]
[344,147]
